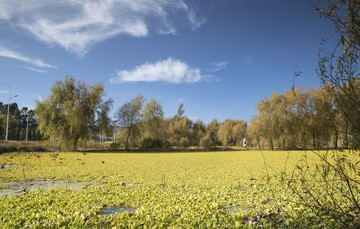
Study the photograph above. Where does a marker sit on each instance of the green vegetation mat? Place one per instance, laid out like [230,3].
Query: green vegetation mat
[187,190]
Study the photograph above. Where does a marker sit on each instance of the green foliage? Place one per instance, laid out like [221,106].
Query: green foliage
[232,132]
[129,119]
[19,121]
[152,117]
[68,113]
[205,142]
[184,142]
[180,112]
[14,146]
[103,122]
[212,129]
[296,119]
[151,143]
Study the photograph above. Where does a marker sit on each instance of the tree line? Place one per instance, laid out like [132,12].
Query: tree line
[20,121]
[296,119]
[74,113]
[144,126]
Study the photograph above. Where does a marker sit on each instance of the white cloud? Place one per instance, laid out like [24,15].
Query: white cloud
[34,69]
[180,100]
[169,70]
[76,25]
[194,118]
[15,55]
[219,66]
[7,91]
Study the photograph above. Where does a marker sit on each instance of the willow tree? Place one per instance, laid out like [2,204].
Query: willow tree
[152,117]
[129,119]
[67,114]
[103,121]
[232,131]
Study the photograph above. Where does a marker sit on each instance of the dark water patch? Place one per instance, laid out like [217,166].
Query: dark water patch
[24,187]
[113,210]
[236,209]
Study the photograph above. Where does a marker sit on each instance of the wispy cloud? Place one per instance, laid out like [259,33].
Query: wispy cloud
[76,25]
[180,100]
[7,91]
[4,52]
[169,70]
[34,69]
[219,66]
[194,118]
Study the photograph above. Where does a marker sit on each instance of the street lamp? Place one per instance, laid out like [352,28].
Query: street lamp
[8,111]
[27,127]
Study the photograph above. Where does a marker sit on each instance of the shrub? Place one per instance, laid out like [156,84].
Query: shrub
[22,146]
[184,142]
[114,145]
[205,142]
[151,143]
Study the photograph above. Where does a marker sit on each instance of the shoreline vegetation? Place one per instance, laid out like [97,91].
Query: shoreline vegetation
[43,146]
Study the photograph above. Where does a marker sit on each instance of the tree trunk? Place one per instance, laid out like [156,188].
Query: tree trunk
[314,139]
[74,143]
[336,140]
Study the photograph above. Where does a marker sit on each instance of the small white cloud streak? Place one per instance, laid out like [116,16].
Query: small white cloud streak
[7,92]
[76,25]
[180,100]
[194,118]
[4,52]
[219,66]
[169,70]
[34,69]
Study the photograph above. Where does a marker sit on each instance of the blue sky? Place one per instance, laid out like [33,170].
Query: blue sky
[219,58]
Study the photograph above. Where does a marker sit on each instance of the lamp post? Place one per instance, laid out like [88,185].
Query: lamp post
[27,127]
[8,111]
